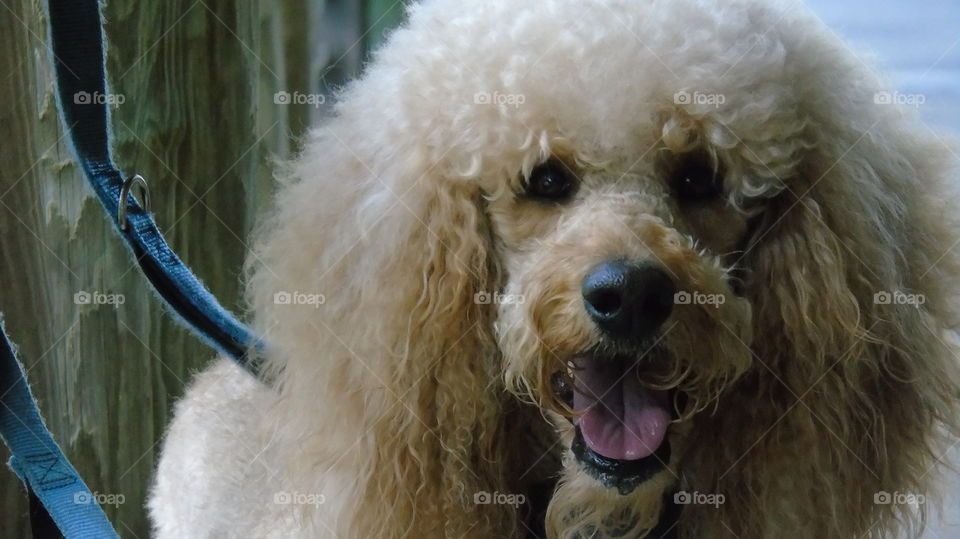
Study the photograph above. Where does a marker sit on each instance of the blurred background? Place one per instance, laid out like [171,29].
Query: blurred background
[915,43]
[214,93]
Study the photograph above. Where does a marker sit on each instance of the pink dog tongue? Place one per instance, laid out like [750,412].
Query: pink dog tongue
[623,419]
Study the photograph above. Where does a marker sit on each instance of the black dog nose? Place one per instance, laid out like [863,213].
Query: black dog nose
[628,300]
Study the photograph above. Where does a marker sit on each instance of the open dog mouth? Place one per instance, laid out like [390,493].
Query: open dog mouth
[621,434]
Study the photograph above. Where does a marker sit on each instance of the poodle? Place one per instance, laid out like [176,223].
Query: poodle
[603,268]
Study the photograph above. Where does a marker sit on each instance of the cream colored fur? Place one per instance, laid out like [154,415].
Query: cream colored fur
[402,398]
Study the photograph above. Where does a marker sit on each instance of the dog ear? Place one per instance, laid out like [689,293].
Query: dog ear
[853,286]
[401,353]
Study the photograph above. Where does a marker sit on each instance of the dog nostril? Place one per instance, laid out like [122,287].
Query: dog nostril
[628,300]
[605,302]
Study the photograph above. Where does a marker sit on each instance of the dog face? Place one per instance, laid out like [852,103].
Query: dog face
[620,308]
[623,309]
[622,232]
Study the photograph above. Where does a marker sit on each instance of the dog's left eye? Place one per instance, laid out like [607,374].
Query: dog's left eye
[551,181]
[697,181]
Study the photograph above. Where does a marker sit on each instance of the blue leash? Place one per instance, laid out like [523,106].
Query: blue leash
[38,460]
[67,504]
[77,44]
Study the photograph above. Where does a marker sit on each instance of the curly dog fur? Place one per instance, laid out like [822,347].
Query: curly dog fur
[406,394]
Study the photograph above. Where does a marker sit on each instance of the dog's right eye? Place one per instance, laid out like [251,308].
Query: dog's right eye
[696,181]
[550,182]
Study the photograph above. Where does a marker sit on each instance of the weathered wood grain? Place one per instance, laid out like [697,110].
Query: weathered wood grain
[199,121]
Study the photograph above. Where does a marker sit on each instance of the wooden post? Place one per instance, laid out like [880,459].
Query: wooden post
[200,120]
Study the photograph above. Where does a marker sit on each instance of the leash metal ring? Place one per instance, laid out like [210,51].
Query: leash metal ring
[136,179]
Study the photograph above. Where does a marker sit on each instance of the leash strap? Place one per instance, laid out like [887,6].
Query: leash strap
[77,44]
[39,462]
[57,494]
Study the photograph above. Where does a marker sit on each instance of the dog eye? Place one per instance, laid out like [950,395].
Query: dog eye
[697,181]
[551,181]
